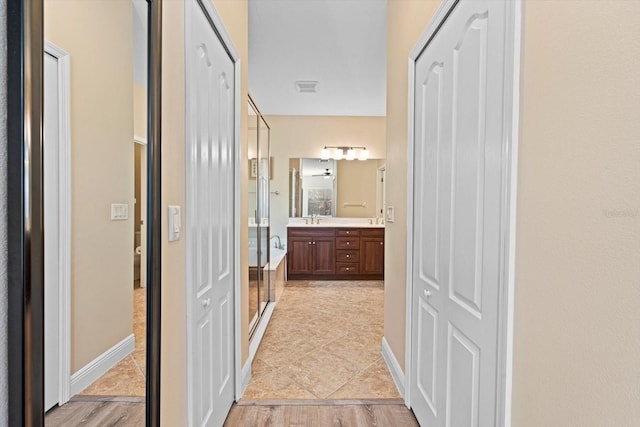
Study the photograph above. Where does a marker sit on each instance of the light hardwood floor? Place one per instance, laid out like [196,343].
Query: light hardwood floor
[100,413]
[320,416]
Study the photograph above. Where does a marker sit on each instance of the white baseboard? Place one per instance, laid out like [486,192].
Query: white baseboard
[393,365]
[245,377]
[260,330]
[93,370]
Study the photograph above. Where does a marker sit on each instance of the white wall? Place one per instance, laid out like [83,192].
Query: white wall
[4,399]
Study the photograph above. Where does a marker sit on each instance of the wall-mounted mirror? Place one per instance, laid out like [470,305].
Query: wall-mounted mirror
[336,188]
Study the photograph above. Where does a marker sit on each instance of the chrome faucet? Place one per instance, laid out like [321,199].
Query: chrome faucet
[279,244]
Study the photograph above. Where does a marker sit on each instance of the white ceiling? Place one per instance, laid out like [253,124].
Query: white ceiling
[339,43]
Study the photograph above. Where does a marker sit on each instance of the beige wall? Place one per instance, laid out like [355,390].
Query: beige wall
[140,111]
[234,14]
[577,321]
[173,399]
[305,136]
[357,183]
[406,21]
[99,40]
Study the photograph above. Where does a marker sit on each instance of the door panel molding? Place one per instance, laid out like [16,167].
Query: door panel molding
[509,148]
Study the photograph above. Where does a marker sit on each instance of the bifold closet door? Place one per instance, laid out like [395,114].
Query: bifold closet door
[458,194]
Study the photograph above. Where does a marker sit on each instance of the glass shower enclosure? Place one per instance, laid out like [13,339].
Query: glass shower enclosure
[259,228]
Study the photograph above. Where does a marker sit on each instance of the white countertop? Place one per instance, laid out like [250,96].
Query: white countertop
[336,225]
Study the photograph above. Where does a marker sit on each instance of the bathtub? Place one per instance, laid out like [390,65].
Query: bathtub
[253,256]
[276,269]
[277,273]
[277,256]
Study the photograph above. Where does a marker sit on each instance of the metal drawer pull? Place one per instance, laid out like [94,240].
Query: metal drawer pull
[347,268]
[309,243]
[348,243]
[348,256]
[381,243]
[314,243]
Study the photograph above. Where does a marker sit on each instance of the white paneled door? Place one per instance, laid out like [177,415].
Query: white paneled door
[210,220]
[459,185]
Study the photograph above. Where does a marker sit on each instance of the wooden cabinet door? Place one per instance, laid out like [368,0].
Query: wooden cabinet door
[323,255]
[300,251]
[371,255]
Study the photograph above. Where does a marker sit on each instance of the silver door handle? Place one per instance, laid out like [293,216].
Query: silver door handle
[206,302]
[427,293]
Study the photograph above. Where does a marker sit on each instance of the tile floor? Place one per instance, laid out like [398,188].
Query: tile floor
[127,378]
[324,342]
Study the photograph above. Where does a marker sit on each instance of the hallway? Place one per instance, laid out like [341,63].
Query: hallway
[324,342]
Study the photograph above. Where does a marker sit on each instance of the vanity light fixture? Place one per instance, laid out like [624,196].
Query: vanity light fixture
[348,153]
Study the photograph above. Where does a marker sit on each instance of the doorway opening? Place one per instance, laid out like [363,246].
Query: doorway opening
[327,137]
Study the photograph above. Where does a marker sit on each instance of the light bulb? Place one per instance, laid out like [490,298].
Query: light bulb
[351,154]
[364,154]
[337,155]
[325,154]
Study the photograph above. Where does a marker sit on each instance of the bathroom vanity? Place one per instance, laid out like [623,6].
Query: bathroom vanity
[349,252]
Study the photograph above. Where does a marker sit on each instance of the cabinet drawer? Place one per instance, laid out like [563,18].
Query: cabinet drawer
[311,231]
[347,232]
[347,242]
[344,268]
[372,232]
[347,255]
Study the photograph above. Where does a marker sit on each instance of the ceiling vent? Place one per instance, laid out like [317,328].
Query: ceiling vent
[307,86]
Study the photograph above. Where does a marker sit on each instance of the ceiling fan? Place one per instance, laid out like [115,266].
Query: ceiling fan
[327,173]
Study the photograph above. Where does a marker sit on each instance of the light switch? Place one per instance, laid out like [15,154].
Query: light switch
[389,214]
[119,212]
[174,221]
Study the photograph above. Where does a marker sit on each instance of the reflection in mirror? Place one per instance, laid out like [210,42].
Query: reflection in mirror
[336,188]
[95,215]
